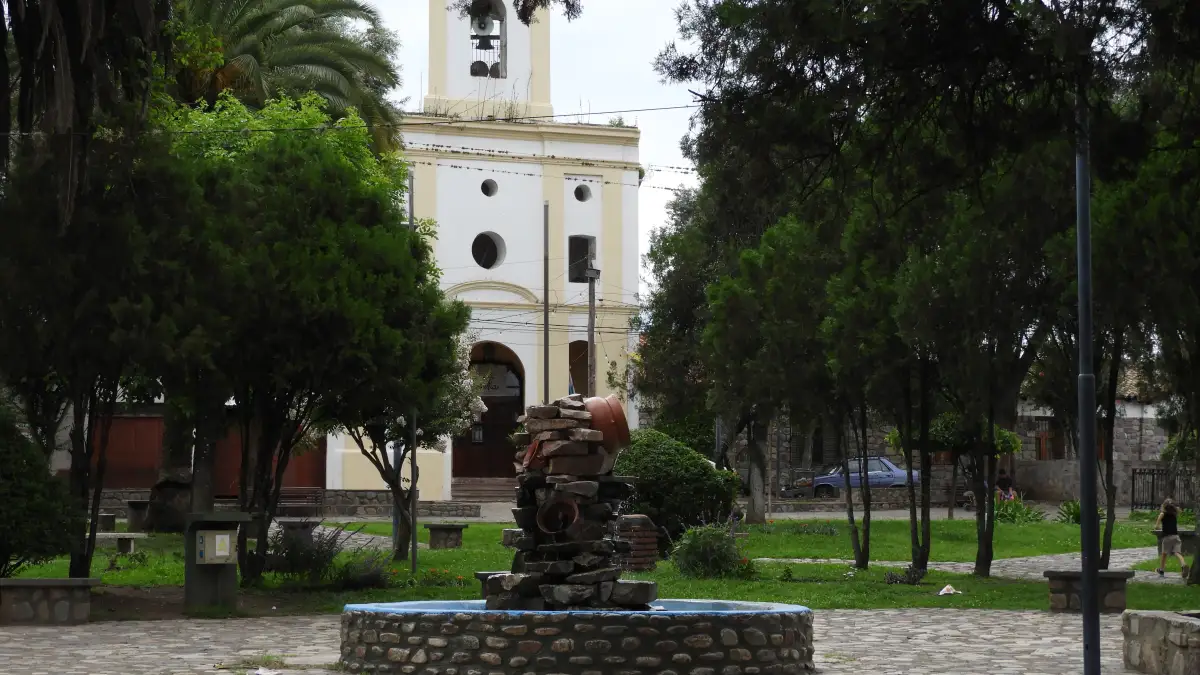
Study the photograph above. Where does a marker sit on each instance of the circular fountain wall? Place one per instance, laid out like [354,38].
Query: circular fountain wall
[678,637]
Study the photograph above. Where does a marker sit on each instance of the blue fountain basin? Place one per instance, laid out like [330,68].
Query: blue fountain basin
[677,636]
[660,607]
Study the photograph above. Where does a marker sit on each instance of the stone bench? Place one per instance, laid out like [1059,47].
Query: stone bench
[123,540]
[482,577]
[1188,540]
[1066,588]
[1162,643]
[106,522]
[46,601]
[445,535]
[300,529]
[509,537]
[136,510]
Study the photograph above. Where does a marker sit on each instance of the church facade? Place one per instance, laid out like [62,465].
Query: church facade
[506,183]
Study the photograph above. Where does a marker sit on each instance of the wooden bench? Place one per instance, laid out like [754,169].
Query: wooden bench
[301,502]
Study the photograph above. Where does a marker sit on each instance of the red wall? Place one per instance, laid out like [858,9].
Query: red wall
[135,455]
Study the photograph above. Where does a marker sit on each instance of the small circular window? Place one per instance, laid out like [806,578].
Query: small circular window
[489,187]
[488,250]
[583,193]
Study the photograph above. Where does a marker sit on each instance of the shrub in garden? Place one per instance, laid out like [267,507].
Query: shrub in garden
[35,513]
[1017,512]
[675,486]
[911,576]
[1071,512]
[370,569]
[711,552]
[301,560]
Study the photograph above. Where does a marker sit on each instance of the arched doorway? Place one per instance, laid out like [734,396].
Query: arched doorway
[578,355]
[485,450]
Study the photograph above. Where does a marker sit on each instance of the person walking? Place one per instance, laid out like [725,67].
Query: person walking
[1170,543]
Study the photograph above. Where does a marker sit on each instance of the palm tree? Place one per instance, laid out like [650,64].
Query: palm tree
[290,47]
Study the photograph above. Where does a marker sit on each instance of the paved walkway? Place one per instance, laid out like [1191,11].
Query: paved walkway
[1029,568]
[883,642]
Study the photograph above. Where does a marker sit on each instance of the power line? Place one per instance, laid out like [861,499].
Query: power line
[336,127]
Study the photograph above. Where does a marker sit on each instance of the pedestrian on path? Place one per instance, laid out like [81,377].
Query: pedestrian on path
[1171,545]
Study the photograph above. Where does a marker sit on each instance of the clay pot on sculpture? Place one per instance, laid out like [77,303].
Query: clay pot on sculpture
[557,516]
[608,417]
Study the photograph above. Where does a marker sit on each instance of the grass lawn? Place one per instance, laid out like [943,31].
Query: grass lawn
[149,585]
[953,540]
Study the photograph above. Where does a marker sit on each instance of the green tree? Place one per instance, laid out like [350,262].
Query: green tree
[328,291]
[273,48]
[420,390]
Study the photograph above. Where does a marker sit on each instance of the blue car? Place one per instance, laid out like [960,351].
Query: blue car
[881,473]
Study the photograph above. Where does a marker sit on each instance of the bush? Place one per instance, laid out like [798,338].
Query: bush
[675,486]
[35,512]
[300,560]
[711,552]
[1017,512]
[1071,512]
[362,571]
[911,576]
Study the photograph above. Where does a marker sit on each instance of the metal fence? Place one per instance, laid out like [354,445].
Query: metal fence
[1149,487]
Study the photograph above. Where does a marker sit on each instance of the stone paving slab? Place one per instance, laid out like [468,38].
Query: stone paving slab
[1029,569]
[886,642]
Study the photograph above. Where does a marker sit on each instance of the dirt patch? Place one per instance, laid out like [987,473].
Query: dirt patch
[126,603]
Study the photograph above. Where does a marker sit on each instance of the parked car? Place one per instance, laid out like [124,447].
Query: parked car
[881,472]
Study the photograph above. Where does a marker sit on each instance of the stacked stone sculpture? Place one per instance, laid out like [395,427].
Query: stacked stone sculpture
[567,501]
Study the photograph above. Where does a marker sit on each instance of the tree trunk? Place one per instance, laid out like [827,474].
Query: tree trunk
[756,511]
[1110,424]
[847,492]
[926,466]
[953,487]
[906,447]
[80,562]
[170,498]
[985,516]
[864,486]
[403,530]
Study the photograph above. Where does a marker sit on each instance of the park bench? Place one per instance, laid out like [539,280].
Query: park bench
[136,510]
[123,540]
[301,502]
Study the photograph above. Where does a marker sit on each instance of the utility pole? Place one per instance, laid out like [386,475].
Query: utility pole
[546,303]
[592,275]
[412,450]
[1089,521]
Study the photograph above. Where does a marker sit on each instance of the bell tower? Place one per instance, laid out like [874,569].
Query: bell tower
[486,63]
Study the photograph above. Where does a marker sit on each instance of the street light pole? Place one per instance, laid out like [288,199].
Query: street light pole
[1089,521]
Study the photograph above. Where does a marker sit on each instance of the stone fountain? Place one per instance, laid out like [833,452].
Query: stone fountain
[563,607]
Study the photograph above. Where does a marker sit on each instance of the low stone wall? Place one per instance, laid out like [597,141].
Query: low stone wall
[1066,590]
[578,643]
[368,503]
[1162,643]
[46,601]
[343,503]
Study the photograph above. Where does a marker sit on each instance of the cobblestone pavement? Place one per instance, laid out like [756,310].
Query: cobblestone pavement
[1030,568]
[884,642]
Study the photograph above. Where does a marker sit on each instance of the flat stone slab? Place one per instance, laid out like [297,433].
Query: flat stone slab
[902,641]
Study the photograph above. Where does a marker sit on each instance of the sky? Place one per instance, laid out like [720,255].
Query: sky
[602,61]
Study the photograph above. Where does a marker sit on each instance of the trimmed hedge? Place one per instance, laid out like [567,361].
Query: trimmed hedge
[675,486]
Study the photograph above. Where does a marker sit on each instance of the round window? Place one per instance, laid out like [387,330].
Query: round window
[488,250]
[583,193]
[489,187]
